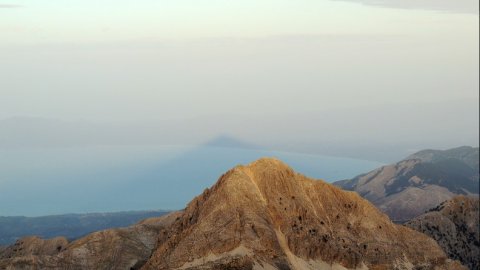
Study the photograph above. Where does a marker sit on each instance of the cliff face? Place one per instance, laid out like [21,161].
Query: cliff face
[259,216]
[454,224]
[410,187]
[266,216]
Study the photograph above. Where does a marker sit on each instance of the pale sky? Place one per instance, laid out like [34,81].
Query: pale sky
[95,96]
[57,21]
[147,61]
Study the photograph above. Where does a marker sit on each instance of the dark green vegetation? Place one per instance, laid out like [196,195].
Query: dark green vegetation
[71,226]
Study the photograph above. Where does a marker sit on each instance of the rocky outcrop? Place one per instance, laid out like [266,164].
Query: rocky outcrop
[125,248]
[454,224]
[35,246]
[410,187]
[260,216]
[266,216]
[71,226]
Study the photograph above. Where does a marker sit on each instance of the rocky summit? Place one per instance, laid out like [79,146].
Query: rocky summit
[266,216]
[259,216]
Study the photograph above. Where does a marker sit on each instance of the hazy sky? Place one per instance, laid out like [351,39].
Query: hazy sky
[147,61]
[91,90]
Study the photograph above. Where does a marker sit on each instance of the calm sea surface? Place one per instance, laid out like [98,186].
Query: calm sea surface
[97,179]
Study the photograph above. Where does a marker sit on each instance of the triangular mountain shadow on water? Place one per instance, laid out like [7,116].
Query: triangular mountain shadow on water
[230,142]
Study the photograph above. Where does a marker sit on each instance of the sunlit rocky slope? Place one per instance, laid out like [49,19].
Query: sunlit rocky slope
[260,216]
[71,226]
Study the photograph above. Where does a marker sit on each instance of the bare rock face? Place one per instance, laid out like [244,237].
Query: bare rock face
[259,216]
[423,180]
[455,226]
[35,246]
[266,216]
[125,248]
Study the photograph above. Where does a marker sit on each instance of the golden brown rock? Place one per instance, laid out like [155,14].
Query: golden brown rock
[35,246]
[266,216]
[260,216]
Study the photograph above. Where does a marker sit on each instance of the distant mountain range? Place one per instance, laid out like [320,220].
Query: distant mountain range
[262,215]
[454,224]
[71,226]
[421,181]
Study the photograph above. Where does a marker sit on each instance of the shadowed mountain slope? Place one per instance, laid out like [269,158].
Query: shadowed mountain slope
[410,187]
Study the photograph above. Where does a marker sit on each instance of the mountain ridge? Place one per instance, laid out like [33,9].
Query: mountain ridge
[262,215]
[413,185]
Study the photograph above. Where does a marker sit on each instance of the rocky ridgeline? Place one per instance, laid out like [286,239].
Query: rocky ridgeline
[260,216]
[423,180]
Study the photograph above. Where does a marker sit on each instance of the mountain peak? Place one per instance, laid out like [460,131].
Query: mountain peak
[261,215]
[270,162]
[259,179]
[270,167]
[265,214]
